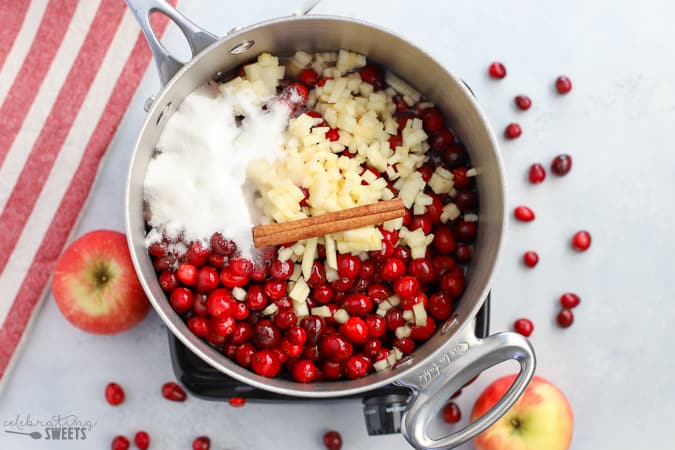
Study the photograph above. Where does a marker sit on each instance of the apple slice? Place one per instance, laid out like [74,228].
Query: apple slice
[95,285]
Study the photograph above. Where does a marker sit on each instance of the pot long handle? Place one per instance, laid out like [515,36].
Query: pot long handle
[198,39]
[468,357]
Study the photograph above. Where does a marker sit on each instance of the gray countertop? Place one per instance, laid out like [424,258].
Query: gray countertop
[615,363]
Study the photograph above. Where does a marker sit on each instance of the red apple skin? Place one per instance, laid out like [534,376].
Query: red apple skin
[101,309]
[543,411]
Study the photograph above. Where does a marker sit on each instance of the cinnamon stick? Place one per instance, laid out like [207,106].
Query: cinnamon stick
[334,222]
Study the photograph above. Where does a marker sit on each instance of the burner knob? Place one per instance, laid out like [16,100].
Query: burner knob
[383,412]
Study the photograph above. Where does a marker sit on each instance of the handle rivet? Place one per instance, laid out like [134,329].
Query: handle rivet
[165,110]
[449,324]
[405,361]
[242,47]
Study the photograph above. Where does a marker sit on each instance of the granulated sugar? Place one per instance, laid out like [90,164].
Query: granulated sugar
[194,186]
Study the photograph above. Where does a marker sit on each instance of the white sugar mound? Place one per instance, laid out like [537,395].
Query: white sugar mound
[195,184]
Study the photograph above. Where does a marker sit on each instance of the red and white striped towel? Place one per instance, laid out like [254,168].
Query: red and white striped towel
[68,70]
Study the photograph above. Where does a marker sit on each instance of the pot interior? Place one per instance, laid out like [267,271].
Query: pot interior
[318,33]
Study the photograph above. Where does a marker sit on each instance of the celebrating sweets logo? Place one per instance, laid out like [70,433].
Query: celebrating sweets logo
[56,428]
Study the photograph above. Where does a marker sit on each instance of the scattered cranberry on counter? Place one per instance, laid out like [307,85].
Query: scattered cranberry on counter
[537,173]
[452,413]
[569,300]
[581,241]
[523,102]
[523,213]
[563,84]
[531,259]
[524,327]
[497,70]
[565,317]
[114,394]
[172,391]
[142,440]
[332,440]
[237,402]
[120,443]
[513,131]
[561,165]
[201,443]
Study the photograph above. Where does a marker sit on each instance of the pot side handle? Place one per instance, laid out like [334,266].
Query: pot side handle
[198,39]
[436,382]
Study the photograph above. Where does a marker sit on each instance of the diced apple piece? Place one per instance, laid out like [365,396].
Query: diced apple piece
[450,212]
[321,311]
[420,314]
[341,316]
[300,291]
[270,309]
[309,257]
[239,294]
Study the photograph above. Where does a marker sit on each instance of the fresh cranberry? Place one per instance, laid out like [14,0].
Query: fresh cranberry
[187,274]
[285,318]
[466,200]
[120,443]
[335,347]
[256,298]
[197,255]
[222,326]
[440,305]
[422,222]
[401,105]
[332,440]
[266,335]
[259,272]
[217,261]
[524,327]
[317,277]
[164,263]
[223,246]
[563,84]
[231,280]
[157,249]
[394,318]
[461,179]
[391,236]
[395,141]
[332,370]
[199,304]
[372,347]
[451,413]
[569,300]
[312,353]
[530,258]
[266,363]
[581,241]
[561,165]
[392,269]
[114,394]
[230,350]
[463,253]
[296,93]
[315,326]
[497,70]
[243,331]
[372,75]
[304,371]
[406,287]
[441,139]
[377,325]
[296,335]
[382,354]
[181,300]
[423,332]
[432,119]
[342,284]
[405,345]
[142,440]
[172,391]
[168,281]
[379,292]
[214,338]
[422,269]
[357,366]
[454,155]
[333,134]
[356,330]
[275,289]
[435,209]
[427,171]
[237,402]
[524,214]
[244,354]
[198,325]
[565,318]
[464,231]
[241,311]
[290,350]
[348,266]
[281,270]
[523,102]
[384,253]
[323,294]
[513,131]
[359,305]
[220,303]
[453,283]
[537,173]
[309,77]
[201,443]
[207,279]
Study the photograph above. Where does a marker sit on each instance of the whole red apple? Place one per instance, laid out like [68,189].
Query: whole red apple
[95,285]
[540,419]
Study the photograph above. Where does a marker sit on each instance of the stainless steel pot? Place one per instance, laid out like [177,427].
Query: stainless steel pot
[454,355]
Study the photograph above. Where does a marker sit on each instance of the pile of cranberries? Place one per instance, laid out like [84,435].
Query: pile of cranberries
[199,284]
